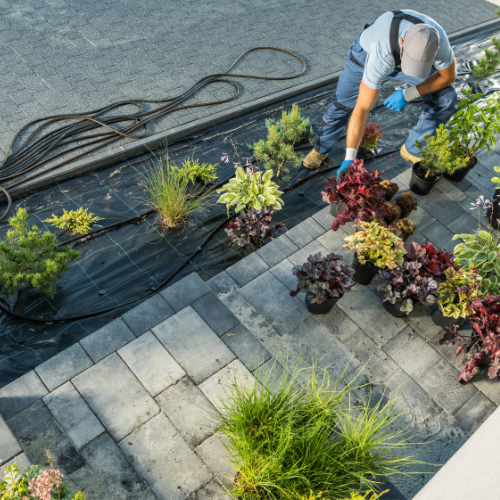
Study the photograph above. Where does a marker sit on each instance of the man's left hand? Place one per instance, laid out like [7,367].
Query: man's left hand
[396,101]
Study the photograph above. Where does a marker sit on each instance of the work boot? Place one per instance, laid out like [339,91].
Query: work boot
[313,159]
[407,156]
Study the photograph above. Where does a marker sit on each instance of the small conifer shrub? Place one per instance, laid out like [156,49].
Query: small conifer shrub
[489,63]
[75,220]
[277,152]
[30,258]
[192,170]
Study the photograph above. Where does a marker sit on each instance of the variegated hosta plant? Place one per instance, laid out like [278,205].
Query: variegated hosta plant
[376,245]
[322,277]
[406,284]
[249,190]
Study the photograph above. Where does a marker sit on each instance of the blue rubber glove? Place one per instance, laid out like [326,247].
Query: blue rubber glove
[396,101]
[344,166]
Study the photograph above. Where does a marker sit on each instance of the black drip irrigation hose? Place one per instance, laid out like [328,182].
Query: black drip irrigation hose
[179,268]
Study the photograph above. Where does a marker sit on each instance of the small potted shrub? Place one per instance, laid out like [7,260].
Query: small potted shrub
[370,139]
[404,285]
[252,229]
[358,193]
[394,211]
[403,228]
[407,202]
[437,157]
[455,294]
[390,188]
[483,346]
[324,280]
[376,247]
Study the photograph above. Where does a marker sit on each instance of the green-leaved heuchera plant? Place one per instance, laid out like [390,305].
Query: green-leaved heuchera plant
[456,293]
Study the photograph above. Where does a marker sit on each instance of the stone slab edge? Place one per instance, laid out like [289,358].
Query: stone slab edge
[130,150]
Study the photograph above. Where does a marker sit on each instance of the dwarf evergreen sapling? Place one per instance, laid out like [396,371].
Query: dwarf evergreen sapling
[30,258]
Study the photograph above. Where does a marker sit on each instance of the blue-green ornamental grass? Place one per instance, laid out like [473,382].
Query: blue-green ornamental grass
[289,442]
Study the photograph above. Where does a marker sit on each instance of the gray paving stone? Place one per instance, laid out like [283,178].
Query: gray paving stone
[64,366]
[324,217]
[481,177]
[107,339]
[421,218]
[440,236]
[475,412]
[151,363]
[211,491]
[185,292]
[420,319]
[165,460]
[415,237]
[193,344]
[222,283]
[305,232]
[21,393]
[36,431]
[220,386]
[214,453]
[489,161]
[73,415]
[248,349]
[9,447]
[466,223]
[270,298]
[218,317]
[247,269]
[298,258]
[21,461]
[120,402]
[112,476]
[277,250]
[334,241]
[365,308]
[283,271]
[441,207]
[142,318]
[488,387]
[188,409]
[451,190]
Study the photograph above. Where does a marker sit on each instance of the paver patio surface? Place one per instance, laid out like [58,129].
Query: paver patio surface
[70,57]
[134,424]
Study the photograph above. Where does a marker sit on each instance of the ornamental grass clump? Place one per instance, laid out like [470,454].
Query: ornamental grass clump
[29,258]
[75,220]
[253,227]
[251,189]
[376,245]
[359,193]
[456,293]
[322,278]
[405,284]
[277,152]
[171,195]
[482,347]
[289,442]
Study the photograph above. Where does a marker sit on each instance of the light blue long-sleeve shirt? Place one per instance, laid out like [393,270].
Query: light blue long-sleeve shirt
[375,41]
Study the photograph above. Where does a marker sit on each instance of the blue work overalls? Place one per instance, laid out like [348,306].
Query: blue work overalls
[440,105]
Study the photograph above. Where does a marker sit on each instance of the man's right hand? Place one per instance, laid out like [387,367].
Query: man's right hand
[344,167]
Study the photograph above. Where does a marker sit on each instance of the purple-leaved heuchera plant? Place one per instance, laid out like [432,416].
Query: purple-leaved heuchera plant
[323,277]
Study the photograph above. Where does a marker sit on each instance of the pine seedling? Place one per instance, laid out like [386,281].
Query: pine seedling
[75,220]
[277,150]
[30,258]
[192,170]
[489,63]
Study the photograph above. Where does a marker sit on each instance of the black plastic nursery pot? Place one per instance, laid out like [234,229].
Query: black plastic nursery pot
[324,308]
[363,273]
[493,213]
[418,184]
[394,309]
[442,321]
[459,175]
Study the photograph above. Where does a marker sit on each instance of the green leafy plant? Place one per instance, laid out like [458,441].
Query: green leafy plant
[438,155]
[353,496]
[171,195]
[496,179]
[376,245]
[35,483]
[277,152]
[289,441]
[403,228]
[31,258]
[370,138]
[456,293]
[192,170]
[249,190]
[407,202]
[480,252]
[394,211]
[75,220]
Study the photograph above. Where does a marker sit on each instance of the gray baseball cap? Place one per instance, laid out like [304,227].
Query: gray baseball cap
[420,45]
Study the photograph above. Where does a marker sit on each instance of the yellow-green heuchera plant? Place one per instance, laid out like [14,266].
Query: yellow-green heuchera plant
[376,245]
[75,220]
[249,190]
[456,292]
